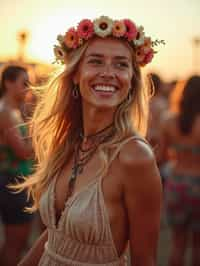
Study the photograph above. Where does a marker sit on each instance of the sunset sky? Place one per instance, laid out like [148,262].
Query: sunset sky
[175,21]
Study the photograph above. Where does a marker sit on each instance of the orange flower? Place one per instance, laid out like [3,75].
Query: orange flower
[71,38]
[119,28]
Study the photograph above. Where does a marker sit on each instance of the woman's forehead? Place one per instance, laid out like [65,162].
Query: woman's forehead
[109,46]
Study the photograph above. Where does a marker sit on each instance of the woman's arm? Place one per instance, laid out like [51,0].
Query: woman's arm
[33,256]
[13,138]
[143,197]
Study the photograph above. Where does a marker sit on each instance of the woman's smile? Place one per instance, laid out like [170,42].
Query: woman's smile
[105,74]
[103,90]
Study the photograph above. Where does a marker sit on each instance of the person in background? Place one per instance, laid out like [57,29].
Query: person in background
[180,145]
[158,105]
[15,162]
[97,184]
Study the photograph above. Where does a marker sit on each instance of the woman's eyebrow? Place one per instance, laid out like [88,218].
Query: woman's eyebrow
[95,55]
[117,57]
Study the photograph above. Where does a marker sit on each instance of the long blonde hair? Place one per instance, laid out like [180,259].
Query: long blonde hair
[57,121]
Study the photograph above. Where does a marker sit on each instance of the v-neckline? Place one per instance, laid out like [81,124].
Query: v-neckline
[57,222]
[68,203]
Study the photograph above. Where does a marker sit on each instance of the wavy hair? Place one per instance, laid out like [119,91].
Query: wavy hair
[57,121]
[189,106]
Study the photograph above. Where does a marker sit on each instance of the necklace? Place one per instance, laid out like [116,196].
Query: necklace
[83,156]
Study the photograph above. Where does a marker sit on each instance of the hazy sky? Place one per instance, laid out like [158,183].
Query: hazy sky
[175,21]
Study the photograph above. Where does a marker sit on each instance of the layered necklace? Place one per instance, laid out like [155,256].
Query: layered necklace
[83,155]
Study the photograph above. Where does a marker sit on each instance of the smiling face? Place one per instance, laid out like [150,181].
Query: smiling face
[105,73]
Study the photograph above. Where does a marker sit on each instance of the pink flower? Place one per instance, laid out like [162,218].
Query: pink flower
[71,38]
[131,29]
[85,29]
[119,28]
[146,49]
[148,57]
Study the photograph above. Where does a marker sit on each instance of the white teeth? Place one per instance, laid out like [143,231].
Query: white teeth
[104,88]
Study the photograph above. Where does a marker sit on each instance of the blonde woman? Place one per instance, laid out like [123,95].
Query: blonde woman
[97,185]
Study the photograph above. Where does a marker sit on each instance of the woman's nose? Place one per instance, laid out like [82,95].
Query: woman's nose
[107,72]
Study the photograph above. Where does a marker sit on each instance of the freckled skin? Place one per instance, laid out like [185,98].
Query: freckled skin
[106,63]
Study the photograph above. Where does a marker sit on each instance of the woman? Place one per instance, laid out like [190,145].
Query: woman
[180,145]
[14,153]
[89,184]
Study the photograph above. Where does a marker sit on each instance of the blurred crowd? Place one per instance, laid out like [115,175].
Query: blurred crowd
[173,132]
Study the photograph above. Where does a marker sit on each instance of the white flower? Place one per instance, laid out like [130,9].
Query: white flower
[103,26]
[59,53]
[141,39]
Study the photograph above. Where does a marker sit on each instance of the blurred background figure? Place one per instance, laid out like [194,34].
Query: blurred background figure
[15,154]
[158,105]
[180,145]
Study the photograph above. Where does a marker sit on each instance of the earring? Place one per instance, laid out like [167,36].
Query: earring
[130,95]
[75,91]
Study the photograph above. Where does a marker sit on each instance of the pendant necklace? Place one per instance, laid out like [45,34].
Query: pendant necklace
[83,156]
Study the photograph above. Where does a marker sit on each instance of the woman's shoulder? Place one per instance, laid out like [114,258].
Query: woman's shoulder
[9,117]
[139,167]
[135,150]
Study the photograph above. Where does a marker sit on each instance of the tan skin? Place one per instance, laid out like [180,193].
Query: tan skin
[184,162]
[10,116]
[16,235]
[187,163]
[133,209]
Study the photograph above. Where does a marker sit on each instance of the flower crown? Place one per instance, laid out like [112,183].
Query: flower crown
[104,27]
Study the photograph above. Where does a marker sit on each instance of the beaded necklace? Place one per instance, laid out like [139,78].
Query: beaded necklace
[83,155]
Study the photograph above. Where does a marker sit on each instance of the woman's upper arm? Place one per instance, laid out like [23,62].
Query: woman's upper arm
[143,197]
[13,137]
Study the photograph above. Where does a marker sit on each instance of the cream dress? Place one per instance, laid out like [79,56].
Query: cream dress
[82,236]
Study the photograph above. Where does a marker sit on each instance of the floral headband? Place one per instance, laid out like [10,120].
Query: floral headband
[103,27]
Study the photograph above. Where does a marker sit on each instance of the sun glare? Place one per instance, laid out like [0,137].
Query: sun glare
[44,34]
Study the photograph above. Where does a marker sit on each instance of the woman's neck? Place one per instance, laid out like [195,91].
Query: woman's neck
[96,120]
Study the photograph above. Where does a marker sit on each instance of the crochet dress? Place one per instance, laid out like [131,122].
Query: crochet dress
[82,236]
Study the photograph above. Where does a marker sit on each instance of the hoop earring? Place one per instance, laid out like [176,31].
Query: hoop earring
[75,91]
[130,95]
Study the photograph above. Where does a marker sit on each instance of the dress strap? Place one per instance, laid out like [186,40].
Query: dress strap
[121,144]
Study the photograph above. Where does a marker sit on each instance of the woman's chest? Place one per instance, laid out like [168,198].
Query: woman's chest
[109,186]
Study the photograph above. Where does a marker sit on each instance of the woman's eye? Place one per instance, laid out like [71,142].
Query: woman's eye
[95,61]
[122,64]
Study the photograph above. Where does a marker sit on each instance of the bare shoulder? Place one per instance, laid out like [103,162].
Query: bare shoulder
[139,167]
[136,152]
[5,116]
[8,118]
